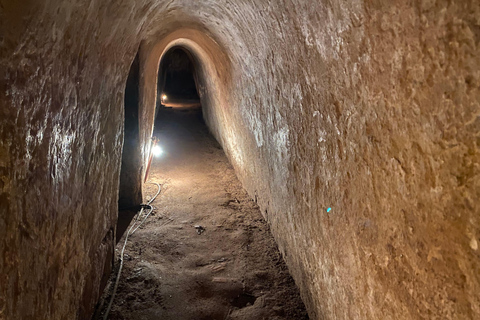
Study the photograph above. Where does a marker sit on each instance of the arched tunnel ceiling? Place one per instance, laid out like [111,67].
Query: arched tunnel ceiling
[368,108]
[210,60]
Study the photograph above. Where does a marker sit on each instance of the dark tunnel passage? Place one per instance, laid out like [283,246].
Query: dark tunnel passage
[176,87]
[177,81]
[202,214]
[206,241]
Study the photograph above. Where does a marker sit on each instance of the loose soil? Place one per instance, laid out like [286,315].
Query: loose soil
[206,251]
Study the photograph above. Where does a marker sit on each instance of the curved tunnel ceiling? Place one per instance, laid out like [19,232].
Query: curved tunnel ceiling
[212,65]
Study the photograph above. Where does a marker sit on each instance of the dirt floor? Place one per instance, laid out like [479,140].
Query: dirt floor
[228,267]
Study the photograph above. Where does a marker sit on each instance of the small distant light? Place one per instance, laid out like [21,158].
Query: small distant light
[157,151]
[164,97]
[329,209]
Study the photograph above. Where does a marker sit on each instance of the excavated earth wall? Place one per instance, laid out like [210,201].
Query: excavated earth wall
[367,108]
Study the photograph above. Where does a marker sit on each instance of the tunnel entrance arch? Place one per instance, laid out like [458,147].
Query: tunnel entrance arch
[212,79]
[212,76]
[177,79]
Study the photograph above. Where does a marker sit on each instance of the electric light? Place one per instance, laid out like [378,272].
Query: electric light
[164,97]
[157,151]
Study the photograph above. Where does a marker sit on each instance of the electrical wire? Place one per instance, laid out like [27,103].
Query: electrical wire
[149,206]
[130,232]
[146,216]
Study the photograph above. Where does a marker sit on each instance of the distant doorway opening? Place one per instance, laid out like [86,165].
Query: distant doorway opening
[177,80]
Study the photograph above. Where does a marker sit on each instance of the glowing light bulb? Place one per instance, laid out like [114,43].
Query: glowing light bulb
[157,151]
[164,97]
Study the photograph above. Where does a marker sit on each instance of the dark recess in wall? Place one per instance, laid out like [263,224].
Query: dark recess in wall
[130,190]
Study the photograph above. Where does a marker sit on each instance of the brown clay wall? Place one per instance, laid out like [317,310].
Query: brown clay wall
[63,67]
[372,110]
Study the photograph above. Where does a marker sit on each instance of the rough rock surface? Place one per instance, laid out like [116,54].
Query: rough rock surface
[368,108]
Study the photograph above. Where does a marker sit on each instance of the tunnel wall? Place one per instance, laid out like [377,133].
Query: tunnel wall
[371,110]
[367,108]
[63,67]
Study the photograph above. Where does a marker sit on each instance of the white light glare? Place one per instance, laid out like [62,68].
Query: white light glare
[164,97]
[157,151]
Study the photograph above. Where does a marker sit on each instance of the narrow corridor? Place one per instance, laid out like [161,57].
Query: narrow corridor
[206,252]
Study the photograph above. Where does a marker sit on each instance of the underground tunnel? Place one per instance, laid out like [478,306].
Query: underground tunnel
[321,159]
